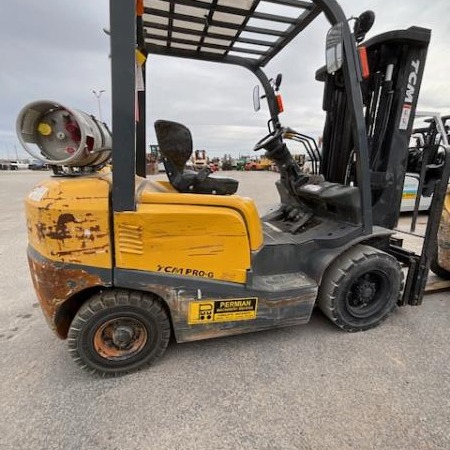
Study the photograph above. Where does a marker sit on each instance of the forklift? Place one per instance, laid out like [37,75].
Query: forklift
[426,160]
[440,263]
[121,263]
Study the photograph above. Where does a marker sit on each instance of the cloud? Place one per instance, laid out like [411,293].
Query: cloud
[57,50]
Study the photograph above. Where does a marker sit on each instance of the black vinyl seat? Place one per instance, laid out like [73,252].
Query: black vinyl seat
[175,145]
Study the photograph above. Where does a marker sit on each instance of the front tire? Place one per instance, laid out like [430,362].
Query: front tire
[119,331]
[360,288]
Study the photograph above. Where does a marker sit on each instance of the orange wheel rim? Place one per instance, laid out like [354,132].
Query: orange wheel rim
[120,338]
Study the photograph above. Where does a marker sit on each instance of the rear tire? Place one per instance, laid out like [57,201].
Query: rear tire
[360,288]
[118,331]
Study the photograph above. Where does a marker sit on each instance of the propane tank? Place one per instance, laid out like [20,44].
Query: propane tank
[62,136]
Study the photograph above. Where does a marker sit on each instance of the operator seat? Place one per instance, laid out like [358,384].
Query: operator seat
[175,145]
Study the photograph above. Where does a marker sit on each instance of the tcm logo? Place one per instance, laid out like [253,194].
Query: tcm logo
[412,81]
[184,271]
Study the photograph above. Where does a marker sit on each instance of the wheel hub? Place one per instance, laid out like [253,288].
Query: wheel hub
[366,294]
[120,338]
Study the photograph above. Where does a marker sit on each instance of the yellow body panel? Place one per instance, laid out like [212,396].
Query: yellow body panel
[68,220]
[188,240]
[444,235]
[161,193]
[192,235]
[195,235]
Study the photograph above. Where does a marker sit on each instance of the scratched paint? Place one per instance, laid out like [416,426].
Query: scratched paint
[70,223]
[55,284]
[287,309]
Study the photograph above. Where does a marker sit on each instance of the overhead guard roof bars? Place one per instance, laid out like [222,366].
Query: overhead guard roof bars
[228,31]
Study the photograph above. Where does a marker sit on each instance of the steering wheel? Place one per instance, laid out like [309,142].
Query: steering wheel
[268,140]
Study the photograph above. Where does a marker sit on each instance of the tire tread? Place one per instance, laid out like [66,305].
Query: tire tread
[110,299]
[337,272]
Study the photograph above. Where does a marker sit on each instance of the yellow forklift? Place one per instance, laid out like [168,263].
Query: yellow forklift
[121,263]
[440,263]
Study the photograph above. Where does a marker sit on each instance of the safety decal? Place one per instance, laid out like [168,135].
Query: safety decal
[225,310]
[404,119]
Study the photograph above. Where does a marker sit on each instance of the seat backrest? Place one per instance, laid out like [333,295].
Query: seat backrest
[175,143]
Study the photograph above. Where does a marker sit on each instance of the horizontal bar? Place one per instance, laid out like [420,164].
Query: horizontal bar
[201,56]
[302,22]
[232,10]
[273,18]
[293,3]
[190,31]
[210,6]
[207,45]
[216,23]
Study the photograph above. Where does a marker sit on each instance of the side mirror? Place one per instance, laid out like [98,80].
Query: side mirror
[363,24]
[334,48]
[256,98]
[278,80]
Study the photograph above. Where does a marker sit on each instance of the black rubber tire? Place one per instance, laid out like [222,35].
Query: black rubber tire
[366,270]
[114,306]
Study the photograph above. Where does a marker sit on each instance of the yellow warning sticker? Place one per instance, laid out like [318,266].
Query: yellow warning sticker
[225,310]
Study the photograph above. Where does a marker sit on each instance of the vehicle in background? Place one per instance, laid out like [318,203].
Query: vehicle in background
[425,158]
[17,165]
[262,163]
[241,162]
[37,165]
[440,263]
[214,166]
[228,162]
[410,193]
[199,159]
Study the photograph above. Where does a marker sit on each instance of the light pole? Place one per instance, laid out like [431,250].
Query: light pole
[98,94]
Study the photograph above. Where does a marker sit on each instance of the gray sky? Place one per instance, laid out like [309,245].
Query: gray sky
[56,49]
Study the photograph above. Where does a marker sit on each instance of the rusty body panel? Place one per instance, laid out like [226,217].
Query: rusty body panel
[55,283]
[68,220]
[292,304]
[69,237]
[193,251]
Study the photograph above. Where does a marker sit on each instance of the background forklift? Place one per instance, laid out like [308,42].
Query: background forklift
[425,159]
[121,263]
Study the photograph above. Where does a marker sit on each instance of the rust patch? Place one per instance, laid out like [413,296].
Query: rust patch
[54,285]
[40,230]
[82,251]
[61,232]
